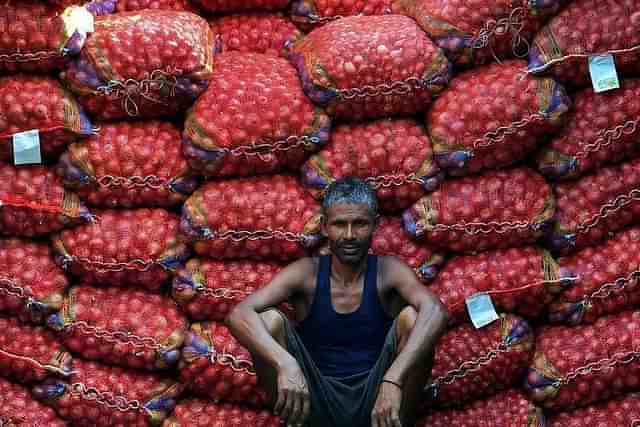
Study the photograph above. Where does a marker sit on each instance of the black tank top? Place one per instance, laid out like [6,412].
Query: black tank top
[342,345]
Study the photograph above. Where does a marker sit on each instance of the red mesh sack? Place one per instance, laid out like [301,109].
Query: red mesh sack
[522,281]
[506,409]
[584,28]
[579,365]
[497,209]
[602,128]
[208,289]
[254,32]
[394,156]
[138,247]
[33,202]
[606,280]
[370,66]
[259,218]
[19,408]
[178,5]
[241,132]
[39,103]
[31,284]
[624,411]
[37,37]
[123,327]
[129,164]
[226,6]
[310,13]
[589,209]
[390,239]
[493,116]
[30,353]
[195,412]
[147,64]
[473,32]
[107,396]
[216,366]
[473,363]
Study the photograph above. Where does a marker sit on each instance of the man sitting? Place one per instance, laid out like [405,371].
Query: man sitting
[362,350]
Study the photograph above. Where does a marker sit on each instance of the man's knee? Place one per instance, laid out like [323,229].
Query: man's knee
[274,322]
[405,323]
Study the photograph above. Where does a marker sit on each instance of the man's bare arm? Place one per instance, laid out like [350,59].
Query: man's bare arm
[292,401]
[244,320]
[430,323]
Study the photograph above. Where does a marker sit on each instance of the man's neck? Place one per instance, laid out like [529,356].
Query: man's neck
[347,274]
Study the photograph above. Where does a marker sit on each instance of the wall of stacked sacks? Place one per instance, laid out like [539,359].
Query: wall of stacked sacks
[162,159]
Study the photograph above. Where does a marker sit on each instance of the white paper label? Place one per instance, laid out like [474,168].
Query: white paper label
[603,73]
[26,148]
[481,310]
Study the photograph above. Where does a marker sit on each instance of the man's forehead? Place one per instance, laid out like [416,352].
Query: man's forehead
[348,209]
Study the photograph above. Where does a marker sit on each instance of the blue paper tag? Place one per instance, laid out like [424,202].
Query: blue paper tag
[603,73]
[481,310]
[26,148]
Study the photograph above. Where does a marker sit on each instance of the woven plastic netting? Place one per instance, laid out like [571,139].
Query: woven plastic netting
[473,363]
[589,209]
[585,28]
[370,67]
[33,202]
[124,327]
[129,164]
[139,247]
[310,13]
[579,365]
[522,281]
[208,289]
[226,6]
[624,411]
[497,209]
[30,103]
[256,32]
[19,408]
[394,156]
[506,409]
[145,64]
[259,218]
[493,116]
[602,128]
[198,412]
[97,395]
[474,32]
[31,284]
[30,354]
[216,366]
[606,280]
[253,119]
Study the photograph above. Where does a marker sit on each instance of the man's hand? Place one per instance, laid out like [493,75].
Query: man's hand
[386,411]
[293,395]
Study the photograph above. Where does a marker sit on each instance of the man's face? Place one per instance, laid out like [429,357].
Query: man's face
[349,229]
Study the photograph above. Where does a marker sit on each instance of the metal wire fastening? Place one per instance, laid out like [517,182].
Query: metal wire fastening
[402,87]
[618,285]
[236,364]
[264,147]
[608,137]
[10,288]
[475,228]
[224,293]
[498,135]
[599,366]
[386,181]
[105,267]
[34,362]
[128,89]
[108,399]
[114,337]
[30,56]
[469,366]
[514,24]
[609,208]
[312,18]
[242,235]
[150,181]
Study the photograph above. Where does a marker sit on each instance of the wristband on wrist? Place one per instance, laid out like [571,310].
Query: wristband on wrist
[392,382]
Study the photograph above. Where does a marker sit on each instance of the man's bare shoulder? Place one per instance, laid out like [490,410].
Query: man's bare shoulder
[298,273]
[395,270]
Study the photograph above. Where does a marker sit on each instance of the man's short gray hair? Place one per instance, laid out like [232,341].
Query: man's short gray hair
[350,190]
